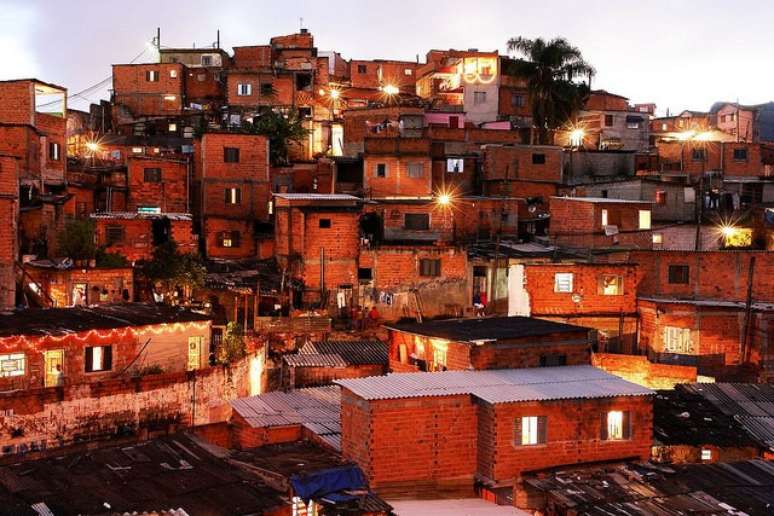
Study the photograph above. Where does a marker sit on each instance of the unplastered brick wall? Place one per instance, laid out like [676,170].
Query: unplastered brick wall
[167,191]
[163,96]
[54,417]
[720,275]
[573,435]
[9,206]
[588,283]
[638,369]
[412,447]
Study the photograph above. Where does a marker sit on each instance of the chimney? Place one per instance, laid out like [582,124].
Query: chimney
[304,31]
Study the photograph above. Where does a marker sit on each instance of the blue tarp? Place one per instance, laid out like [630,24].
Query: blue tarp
[327,481]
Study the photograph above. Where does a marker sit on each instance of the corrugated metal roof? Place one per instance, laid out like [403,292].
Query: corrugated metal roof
[131,215]
[751,404]
[314,360]
[353,352]
[498,386]
[316,197]
[317,409]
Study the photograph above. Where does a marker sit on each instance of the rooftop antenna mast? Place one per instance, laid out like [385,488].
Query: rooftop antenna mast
[300,23]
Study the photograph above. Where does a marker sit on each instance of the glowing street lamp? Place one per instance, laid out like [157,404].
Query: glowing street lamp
[335,94]
[444,199]
[576,137]
[92,146]
[391,89]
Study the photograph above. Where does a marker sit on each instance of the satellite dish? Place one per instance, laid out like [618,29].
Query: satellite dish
[577,298]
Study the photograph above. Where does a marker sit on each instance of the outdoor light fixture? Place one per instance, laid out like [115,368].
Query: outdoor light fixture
[728,231]
[334,94]
[391,89]
[576,137]
[444,199]
[92,146]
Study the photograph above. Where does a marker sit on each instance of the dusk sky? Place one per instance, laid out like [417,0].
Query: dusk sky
[680,55]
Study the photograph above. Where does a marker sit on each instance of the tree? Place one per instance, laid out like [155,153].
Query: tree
[76,241]
[281,130]
[174,269]
[232,346]
[551,69]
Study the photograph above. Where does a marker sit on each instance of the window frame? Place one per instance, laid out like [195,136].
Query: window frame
[54,151]
[683,277]
[324,223]
[558,282]
[644,220]
[151,76]
[413,174]
[232,196]
[106,359]
[381,170]
[425,226]
[538,158]
[530,431]
[19,358]
[451,165]
[602,282]
[429,267]
[155,175]
[110,230]
[231,154]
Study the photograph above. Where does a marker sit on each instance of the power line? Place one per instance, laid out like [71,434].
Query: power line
[82,94]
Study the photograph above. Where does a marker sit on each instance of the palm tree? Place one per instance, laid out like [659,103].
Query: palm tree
[551,69]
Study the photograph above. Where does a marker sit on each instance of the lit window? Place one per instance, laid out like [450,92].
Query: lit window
[408,71]
[706,454]
[604,218]
[229,239]
[152,76]
[658,238]
[137,150]
[664,127]
[53,151]
[644,219]
[13,364]
[170,98]
[677,340]
[455,165]
[479,97]
[173,74]
[244,89]
[98,358]
[233,196]
[270,207]
[172,128]
[563,282]
[439,357]
[531,430]
[611,285]
[615,425]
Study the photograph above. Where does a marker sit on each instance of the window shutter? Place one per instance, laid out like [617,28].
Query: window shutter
[147,75]
[542,429]
[603,426]
[627,425]
[88,359]
[238,196]
[107,358]
[517,431]
[227,195]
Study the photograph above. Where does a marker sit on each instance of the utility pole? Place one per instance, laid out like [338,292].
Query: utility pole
[158,39]
[700,202]
[748,312]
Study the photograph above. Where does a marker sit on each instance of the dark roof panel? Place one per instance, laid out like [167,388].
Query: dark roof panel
[61,321]
[492,328]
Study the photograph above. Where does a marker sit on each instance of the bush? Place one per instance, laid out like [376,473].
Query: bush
[232,347]
[76,241]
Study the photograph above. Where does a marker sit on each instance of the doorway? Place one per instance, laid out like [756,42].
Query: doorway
[195,352]
[53,358]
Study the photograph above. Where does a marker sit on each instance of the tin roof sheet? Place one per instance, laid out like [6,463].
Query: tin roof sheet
[498,386]
[352,352]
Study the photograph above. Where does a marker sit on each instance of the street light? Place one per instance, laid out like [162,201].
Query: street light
[390,89]
[576,137]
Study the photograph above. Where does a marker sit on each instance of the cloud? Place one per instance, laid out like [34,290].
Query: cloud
[16,34]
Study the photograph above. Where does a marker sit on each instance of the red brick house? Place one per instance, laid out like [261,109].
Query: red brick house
[9,246]
[588,222]
[397,167]
[156,89]
[602,296]
[319,363]
[158,184]
[231,181]
[434,434]
[94,344]
[33,126]
[60,284]
[134,235]
[693,310]
[317,237]
[486,343]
